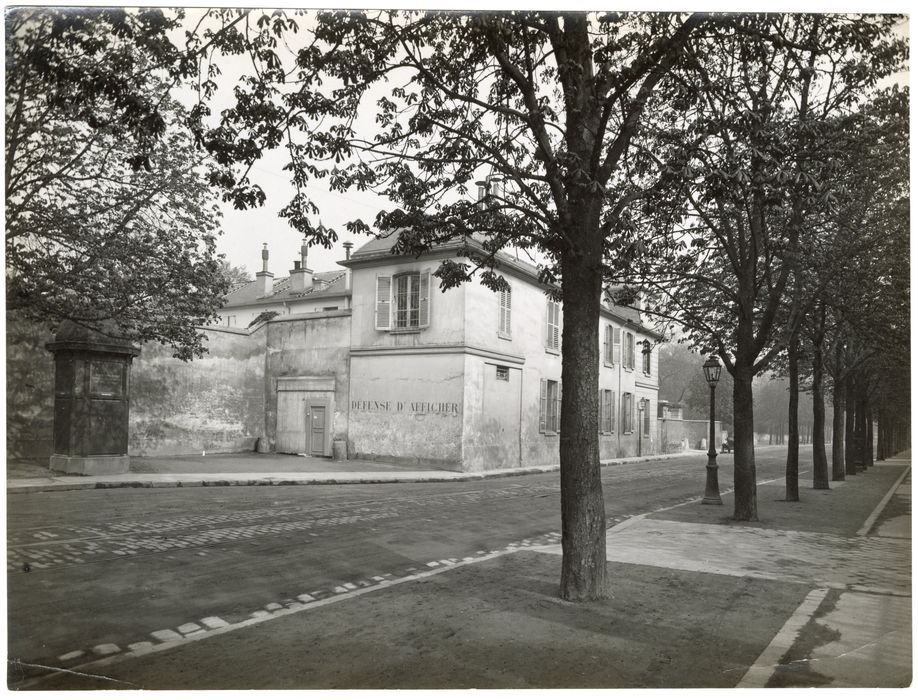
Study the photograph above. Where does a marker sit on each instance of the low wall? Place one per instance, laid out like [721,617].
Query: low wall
[213,404]
[678,435]
[210,404]
[29,391]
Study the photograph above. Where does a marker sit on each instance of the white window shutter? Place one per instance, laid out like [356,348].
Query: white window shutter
[558,409]
[543,404]
[602,410]
[383,302]
[616,346]
[424,300]
[507,308]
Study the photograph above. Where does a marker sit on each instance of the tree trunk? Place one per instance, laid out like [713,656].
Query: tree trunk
[744,504]
[583,518]
[863,443]
[791,471]
[820,465]
[838,431]
[868,453]
[850,434]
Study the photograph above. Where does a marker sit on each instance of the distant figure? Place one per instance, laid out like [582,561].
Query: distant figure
[727,445]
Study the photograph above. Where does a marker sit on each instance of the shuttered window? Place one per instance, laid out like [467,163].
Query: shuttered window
[403,301]
[549,406]
[627,412]
[629,351]
[606,410]
[616,345]
[645,353]
[503,324]
[607,345]
[553,325]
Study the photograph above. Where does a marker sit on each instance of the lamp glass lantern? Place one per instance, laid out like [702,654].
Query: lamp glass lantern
[712,369]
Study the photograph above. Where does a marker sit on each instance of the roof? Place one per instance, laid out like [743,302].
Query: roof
[381,247]
[246,294]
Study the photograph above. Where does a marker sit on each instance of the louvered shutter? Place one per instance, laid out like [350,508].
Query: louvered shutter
[616,346]
[383,302]
[557,415]
[424,299]
[556,338]
[543,404]
[612,412]
[602,410]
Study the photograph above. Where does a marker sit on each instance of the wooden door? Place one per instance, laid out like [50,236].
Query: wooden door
[317,424]
[291,422]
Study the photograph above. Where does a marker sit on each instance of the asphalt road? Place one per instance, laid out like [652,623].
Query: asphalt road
[91,573]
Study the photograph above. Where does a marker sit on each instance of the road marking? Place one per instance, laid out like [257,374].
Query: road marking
[763,668]
[171,639]
[106,649]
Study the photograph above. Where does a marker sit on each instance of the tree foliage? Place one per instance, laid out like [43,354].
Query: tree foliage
[103,223]
[751,162]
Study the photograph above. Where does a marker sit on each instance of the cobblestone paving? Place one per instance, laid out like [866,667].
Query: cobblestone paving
[66,545]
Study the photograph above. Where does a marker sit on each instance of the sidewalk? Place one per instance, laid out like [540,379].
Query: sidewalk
[817,593]
[252,469]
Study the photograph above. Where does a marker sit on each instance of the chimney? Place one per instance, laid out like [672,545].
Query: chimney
[301,275]
[264,280]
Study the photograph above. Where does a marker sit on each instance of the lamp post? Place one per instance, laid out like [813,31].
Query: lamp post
[711,369]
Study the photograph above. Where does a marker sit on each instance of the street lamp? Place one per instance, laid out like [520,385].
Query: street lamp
[711,369]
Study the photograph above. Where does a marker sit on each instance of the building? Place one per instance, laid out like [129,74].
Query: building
[375,362]
[471,379]
[302,291]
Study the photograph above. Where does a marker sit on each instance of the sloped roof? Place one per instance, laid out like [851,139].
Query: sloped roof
[330,284]
[382,247]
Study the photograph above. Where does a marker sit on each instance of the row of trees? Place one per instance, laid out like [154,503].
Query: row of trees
[701,157]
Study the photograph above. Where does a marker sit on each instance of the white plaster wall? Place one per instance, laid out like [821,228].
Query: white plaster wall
[407,408]
[621,380]
[446,308]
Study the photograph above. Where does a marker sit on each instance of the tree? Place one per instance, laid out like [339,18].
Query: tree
[89,237]
[234,275]
[742,158]
[550,102]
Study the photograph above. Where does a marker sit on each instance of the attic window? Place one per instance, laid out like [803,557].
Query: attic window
[503,373]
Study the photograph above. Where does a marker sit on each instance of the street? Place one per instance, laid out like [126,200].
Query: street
[96,572]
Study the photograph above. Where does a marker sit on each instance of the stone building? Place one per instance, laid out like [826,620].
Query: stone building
[471,379]
[375,362]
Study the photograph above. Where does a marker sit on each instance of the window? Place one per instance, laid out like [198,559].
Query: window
[553,326]
[607,346]
[645,351]
[627,412]
[550,406]
[628,362]
[230,321]
[403,301]
[616,345]
[606,410]
[503,324]
[503,373]
[646,404]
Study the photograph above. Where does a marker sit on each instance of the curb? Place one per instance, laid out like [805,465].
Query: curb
[192,481]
